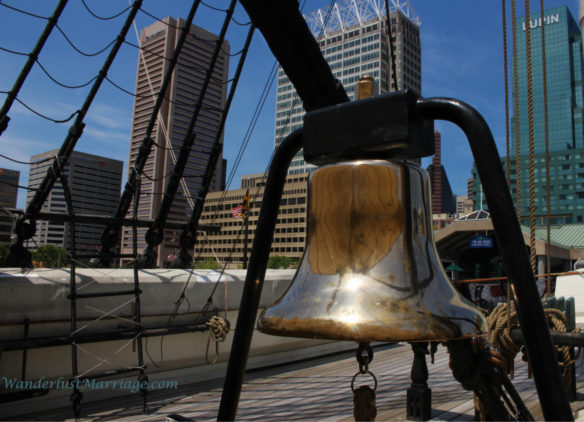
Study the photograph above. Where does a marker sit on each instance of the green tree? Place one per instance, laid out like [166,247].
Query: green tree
[279,261]
[51,256]
[208,264]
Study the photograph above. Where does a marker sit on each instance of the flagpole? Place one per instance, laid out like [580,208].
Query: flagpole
[246,222]
[246,229]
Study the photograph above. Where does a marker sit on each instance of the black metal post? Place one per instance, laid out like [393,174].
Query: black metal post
[419,396]
[538,343]
[254,279]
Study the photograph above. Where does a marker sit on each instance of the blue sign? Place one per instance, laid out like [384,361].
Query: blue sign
[481,241]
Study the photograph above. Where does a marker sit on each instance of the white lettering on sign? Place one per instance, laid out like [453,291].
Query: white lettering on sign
[548,20]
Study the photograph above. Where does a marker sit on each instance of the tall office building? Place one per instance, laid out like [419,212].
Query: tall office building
[8,196]
[443,200]
[354,41]
[565,103]
[158,42]
[95,184]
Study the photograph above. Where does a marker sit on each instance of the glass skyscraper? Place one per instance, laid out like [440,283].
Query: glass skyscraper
[564,72]
[563,53]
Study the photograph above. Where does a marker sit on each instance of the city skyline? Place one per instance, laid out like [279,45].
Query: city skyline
[461,58]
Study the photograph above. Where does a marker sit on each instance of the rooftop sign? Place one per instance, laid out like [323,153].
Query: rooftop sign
[548,20]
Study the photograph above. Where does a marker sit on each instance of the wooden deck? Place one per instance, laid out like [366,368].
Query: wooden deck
[318,389]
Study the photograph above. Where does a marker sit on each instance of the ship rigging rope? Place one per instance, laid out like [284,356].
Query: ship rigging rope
[16,9]
[388,26]
[516,112]
[81,52]
[506,73]
[204,4]
[532,254]
[41,115]
[502,319]
[104,18]
[548,249]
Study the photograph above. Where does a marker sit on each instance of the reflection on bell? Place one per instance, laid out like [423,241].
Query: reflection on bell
[370,271]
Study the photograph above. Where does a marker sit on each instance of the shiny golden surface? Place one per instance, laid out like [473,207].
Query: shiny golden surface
[365,87]
[370,271]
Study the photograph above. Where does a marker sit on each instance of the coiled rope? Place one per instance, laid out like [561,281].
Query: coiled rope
[218,330]
[502,319]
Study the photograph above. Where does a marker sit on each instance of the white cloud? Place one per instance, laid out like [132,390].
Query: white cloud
[109,116]
[106,135]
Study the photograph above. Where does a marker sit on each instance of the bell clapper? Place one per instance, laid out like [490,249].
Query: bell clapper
[364,397]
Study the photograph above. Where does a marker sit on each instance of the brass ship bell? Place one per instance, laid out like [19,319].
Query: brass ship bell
[370,271]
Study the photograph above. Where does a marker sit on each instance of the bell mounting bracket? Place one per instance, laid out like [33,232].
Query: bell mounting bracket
[400,126]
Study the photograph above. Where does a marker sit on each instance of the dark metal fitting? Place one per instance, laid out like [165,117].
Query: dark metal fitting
[77,129]
[364,357]
[186,240]
[154,236]
[386,127]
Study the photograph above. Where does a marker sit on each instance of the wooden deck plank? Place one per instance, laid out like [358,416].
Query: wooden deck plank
[313,390]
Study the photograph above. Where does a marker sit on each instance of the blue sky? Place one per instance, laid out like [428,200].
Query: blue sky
[461,58]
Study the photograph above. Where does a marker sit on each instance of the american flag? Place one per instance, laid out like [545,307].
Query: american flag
[237,211]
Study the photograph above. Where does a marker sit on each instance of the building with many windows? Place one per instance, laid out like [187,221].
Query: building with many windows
[354,42]
[227,245]
[565,106]
[158,42]
[8,196]
[443,200]
[95,184]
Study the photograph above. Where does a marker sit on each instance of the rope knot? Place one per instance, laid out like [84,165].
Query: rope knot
[218,330]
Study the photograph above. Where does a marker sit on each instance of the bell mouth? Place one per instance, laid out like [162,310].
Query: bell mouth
[370,271]
[368,313]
